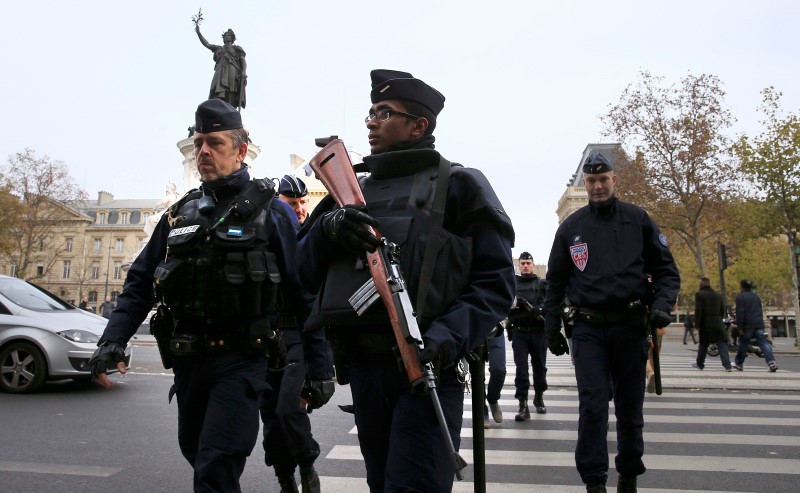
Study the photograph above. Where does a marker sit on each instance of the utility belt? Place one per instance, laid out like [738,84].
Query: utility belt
[527,328]
[192,344]
[634,314]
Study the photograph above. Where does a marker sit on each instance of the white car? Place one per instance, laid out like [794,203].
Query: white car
[42,337]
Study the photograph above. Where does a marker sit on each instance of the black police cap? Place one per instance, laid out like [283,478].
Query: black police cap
[525,256]
[393,84]
[595,164]
[292,186]
[215,115]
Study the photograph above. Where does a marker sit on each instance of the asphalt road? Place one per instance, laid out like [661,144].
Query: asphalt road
[79,437]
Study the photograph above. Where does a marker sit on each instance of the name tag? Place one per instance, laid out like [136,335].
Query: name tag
[234,231]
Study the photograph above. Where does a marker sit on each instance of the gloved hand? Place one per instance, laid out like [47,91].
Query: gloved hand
[557,343]
[347,227]
[430,353]
[658,318]
[108,352]
[509,332]
[317,393]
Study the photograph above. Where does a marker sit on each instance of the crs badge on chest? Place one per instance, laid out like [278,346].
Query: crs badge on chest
[580,255]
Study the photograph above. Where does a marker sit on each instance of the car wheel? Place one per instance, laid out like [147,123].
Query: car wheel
[713,350]
[22,368]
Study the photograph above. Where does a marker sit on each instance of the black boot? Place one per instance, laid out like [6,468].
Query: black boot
[595,488]
[626,484]
[309,479]
[523,413]
[538,403]
[288,484]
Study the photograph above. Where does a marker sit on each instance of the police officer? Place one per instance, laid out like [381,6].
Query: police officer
[526,330]
[470,287]
[293,191]
[601,258]
[301,380]
[221,258]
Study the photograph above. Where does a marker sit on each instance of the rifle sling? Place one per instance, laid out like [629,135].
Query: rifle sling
[434,234]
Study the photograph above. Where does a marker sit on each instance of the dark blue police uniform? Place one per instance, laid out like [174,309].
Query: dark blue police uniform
[288,441]
[600,260]
[218,392]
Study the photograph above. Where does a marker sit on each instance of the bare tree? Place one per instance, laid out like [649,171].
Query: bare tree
[43,187]
[681,166]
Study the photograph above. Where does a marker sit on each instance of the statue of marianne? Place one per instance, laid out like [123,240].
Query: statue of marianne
[230,72]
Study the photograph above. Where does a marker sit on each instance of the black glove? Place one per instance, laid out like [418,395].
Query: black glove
[430,353]
[658,319]
[557,343]
[108,354]
[347,227]
[510,332]
[317,392]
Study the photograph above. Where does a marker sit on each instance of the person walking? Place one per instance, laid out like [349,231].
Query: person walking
[709,309]
[470,285]
[221,258]
[526,324]
[602,258]
[688,328]
[750,320]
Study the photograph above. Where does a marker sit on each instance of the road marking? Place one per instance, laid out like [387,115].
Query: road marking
[334,484]
[657,462]
[662,418]
[68,469]
[663,404]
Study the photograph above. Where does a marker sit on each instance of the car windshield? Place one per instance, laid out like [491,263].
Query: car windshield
[29,296]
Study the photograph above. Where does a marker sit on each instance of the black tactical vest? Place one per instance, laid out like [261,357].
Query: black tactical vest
[402,205]
[225,276]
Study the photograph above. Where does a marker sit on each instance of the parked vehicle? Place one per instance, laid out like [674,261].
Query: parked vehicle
[733,342]
[42,337]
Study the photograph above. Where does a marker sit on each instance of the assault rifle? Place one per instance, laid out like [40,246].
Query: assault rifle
[537,312]
[334,169]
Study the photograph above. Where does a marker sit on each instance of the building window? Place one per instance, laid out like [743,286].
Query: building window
[98,244]
[101,218]
[68,244]
[95,271]
[12,271]
[92,297]
[120,245]
[117,270]
[67,267]
[145,216]
[39,270]
[114,295]
[123,218]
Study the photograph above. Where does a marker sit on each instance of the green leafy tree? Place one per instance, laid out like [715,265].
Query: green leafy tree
[681,171]
[42,187]
[772,161]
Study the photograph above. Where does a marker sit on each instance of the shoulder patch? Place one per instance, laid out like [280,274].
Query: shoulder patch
[663,239]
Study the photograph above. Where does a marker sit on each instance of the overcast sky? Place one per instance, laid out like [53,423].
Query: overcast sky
[110,87]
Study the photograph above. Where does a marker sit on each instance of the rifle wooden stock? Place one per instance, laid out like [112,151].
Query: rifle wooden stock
[334,169]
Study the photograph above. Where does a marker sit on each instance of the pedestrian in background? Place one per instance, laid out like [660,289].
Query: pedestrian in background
[602,258]
[709,310]
[688,328]
[750,320]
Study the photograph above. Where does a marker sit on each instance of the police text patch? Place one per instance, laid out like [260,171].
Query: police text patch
[184,231]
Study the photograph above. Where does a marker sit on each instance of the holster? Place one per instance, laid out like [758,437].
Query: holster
[161,327]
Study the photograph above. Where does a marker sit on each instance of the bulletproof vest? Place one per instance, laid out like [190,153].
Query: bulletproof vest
[402,205]
[531,289]
[221,274]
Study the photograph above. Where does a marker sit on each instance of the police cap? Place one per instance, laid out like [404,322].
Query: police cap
[292,186]
[525,256]
[392,84]
[215,115]
[596,164]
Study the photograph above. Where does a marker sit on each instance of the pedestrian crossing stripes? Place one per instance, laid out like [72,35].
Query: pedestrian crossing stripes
[692,440]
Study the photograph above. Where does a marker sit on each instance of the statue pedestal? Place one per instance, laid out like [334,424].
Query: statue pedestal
[191,178]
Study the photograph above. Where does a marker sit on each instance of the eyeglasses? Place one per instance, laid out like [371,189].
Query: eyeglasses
[384,114]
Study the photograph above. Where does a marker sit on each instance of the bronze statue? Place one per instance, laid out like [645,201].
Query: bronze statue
[230,72]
